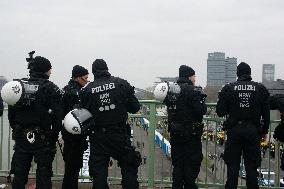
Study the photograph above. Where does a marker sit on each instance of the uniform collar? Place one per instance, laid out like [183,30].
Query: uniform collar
[244,78]
[74,83]
[184,80]
[101,73]
[38,75]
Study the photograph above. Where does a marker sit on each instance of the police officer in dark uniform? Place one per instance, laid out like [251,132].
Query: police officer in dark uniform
[186,107]
[109,99]
[74,145]
[36,121]
[277,103]
[247,105]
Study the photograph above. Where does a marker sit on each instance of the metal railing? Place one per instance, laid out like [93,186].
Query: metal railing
[151,139]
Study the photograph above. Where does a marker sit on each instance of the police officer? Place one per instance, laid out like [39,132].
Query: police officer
[109,99]
[74,145]
[1,106]
[36,121]
[247,105]
[186,108]
[277,103]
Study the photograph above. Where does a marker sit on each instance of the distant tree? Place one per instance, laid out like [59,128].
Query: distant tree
[212,93]
[149,95]
[143,94]
[150,89]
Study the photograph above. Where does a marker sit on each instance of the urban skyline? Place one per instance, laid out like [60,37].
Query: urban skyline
[220,70]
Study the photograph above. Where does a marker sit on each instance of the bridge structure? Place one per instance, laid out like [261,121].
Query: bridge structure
[151,138]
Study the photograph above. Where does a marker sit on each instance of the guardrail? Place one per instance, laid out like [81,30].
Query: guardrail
[151,139]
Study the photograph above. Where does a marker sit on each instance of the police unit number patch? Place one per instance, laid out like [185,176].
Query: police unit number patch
[244,94]
[105,100]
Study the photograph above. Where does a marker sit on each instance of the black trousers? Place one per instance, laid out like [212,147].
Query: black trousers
[186,153]
[73,157]
[243,139]
[21,163]
[106,145]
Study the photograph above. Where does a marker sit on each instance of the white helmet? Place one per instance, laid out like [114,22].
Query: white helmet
[11,92]
[78,121]
[160,91]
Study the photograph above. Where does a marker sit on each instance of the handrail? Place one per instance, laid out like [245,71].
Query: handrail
[150,172]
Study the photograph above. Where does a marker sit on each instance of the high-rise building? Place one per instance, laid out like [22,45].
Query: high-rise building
[216,69]
[230,69]
[220,70]
[3,81]
[268,72]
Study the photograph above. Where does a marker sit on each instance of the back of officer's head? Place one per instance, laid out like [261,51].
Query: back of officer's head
[186,71]
[243,69]
[79,71]
[99,68]
[99,65]
[41,65]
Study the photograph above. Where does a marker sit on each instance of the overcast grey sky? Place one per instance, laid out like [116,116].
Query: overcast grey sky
[140,40]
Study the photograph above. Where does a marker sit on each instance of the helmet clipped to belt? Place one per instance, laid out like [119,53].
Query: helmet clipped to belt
[79,121]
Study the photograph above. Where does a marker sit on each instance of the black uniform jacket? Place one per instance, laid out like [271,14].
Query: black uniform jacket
[109,99]
[50,115]
[245,100]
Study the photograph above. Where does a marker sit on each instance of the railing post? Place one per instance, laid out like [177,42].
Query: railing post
[151,139]
[276,170]
[9,149]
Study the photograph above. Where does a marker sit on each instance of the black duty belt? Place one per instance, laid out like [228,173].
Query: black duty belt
[115,128]
[112,130]
[31,135]
[246,123]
